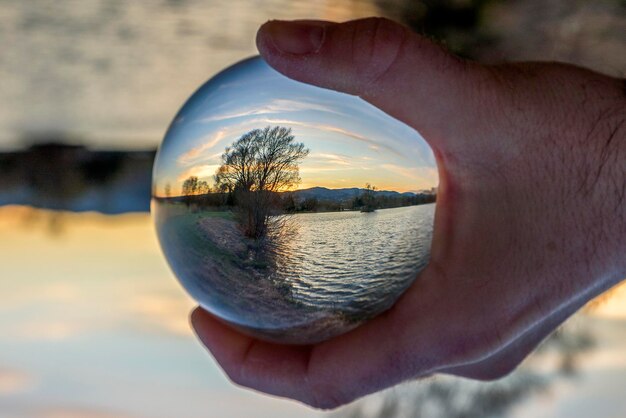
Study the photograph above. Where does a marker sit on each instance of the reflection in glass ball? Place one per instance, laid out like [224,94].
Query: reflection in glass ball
[292,212]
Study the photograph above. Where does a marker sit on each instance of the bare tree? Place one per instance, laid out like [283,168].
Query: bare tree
[255,167]
[368,198]
[190,186]
[193,188]
[203,188]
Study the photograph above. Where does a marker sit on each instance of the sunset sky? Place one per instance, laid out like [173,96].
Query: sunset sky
[351,142]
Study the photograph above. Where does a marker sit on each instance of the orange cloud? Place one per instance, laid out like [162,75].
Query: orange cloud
[200,171]
[196,153]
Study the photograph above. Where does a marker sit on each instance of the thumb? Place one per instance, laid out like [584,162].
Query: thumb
[396,70]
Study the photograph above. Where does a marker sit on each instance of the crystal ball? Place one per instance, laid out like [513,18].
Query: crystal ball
[292,212]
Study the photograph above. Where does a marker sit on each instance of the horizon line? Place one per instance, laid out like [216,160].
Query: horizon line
[154,195]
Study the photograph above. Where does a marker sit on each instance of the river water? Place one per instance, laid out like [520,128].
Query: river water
[351,260]
[315,276]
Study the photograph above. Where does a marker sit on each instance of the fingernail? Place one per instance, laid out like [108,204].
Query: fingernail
[296,37]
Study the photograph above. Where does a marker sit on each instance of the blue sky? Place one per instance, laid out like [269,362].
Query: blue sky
[351,142]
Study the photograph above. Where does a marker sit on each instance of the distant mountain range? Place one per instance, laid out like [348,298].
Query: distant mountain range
[323,193]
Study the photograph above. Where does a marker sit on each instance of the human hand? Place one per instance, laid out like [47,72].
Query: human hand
[530,221]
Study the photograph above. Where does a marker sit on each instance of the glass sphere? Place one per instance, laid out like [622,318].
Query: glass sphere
[292,212]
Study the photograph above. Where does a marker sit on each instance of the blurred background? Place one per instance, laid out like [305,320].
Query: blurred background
[93,324]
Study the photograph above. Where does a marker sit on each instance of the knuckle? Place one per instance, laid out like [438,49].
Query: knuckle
[376,45]
[324,395]
[498,372]
[492,369]
[487,370]
[471,345]
[235,377]
[239,375]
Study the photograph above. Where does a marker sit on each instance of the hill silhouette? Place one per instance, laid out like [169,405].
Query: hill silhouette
[323,193]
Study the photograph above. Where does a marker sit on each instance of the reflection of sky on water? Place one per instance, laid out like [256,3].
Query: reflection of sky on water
[351,142]
[93,325]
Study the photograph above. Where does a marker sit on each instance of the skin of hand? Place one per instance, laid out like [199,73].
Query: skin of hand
[530,221]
